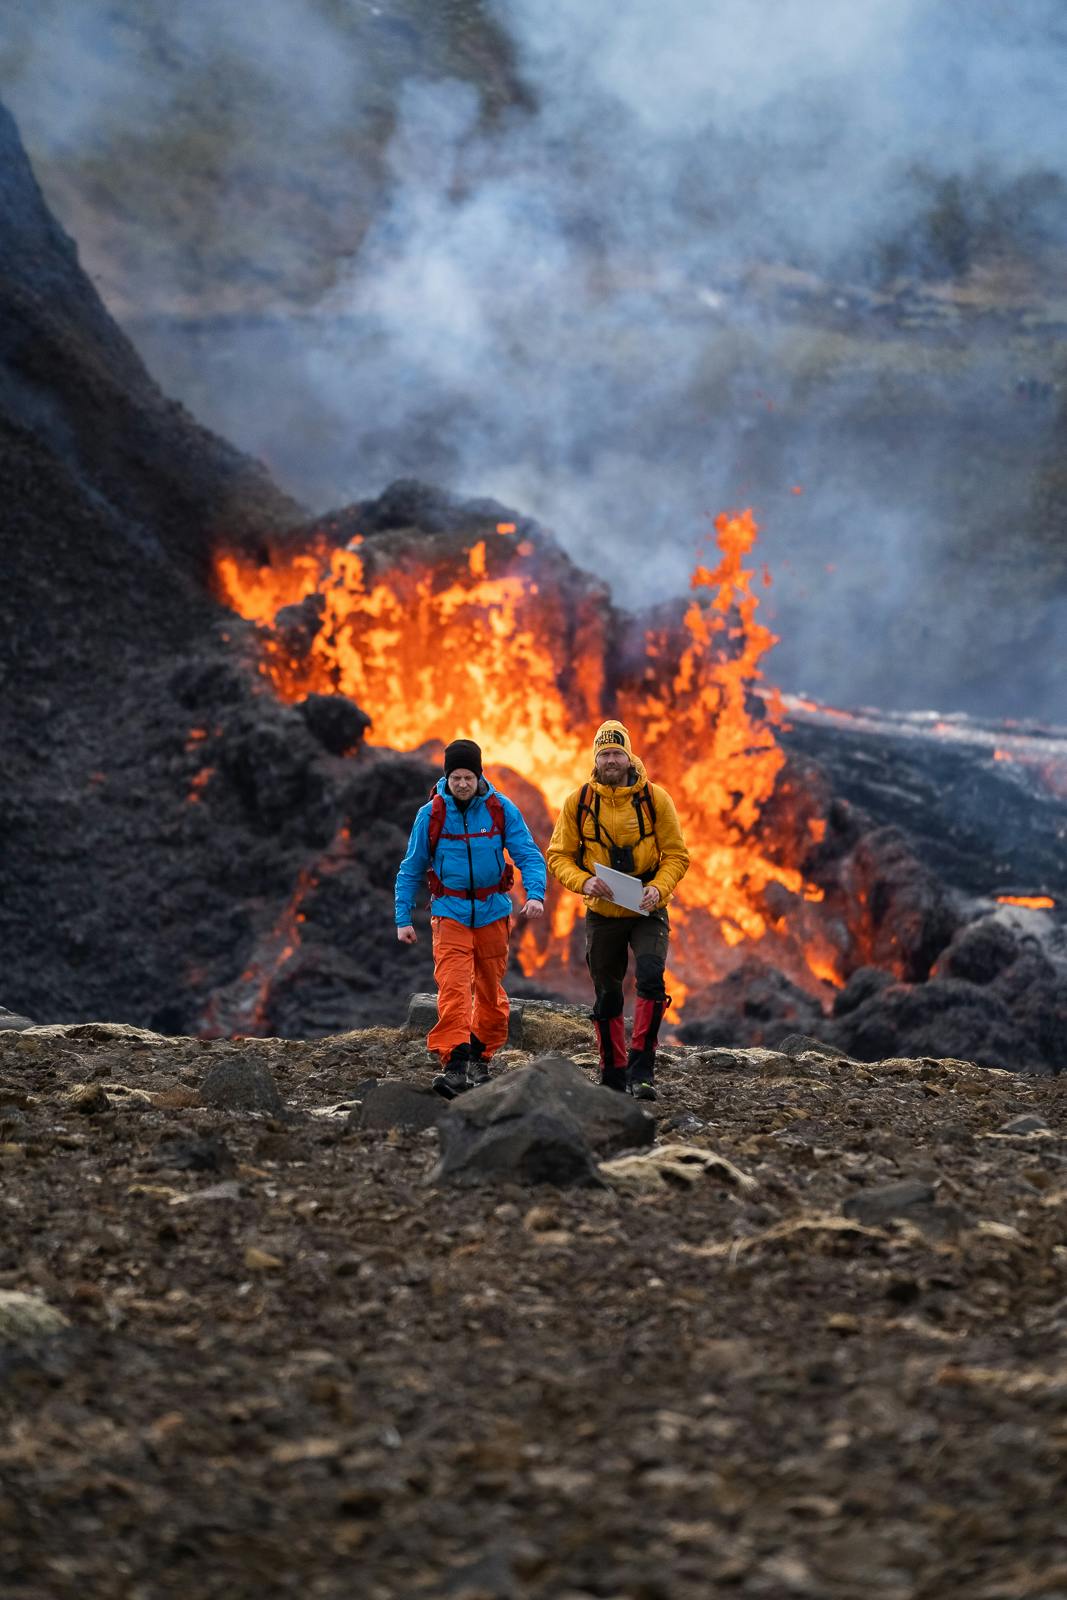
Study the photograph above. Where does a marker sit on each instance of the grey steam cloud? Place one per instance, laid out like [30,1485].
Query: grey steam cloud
[611,310]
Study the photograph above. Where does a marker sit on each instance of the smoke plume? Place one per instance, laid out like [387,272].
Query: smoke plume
[761,253]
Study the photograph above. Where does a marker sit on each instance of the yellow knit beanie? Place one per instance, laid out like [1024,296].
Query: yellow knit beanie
[611,735]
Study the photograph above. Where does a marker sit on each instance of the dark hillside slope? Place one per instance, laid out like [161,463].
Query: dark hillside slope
[112,498]
[157,485]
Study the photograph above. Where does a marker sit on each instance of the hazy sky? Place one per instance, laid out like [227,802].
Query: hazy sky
[562,309]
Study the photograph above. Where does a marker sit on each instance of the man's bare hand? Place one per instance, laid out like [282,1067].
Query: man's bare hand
[533,908]
[650,899]
[407,935]
[597,889]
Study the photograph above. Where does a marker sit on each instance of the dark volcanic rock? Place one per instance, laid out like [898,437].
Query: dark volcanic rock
[910,916]
[113,500]
[168,826]
[188,1153]
[1037,997]
[11,1019]
[543,1123]
[979,952]
[800,1044]
[911,1199]
[942,1018]
[753,1005]
[537,1147]
[209,685]
[864,982]
[335,721]
[183,851]
[268,755]
[235,1084]
[876,1205]
[1029,1122]
[394,1104]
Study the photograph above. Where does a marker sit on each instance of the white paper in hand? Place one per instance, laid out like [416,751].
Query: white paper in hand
[627,890]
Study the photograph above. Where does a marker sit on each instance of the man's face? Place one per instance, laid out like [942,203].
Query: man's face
[612,765]
[462,783]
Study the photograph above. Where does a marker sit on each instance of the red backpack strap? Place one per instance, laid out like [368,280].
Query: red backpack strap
[495,808]
[433,836]
[437,820]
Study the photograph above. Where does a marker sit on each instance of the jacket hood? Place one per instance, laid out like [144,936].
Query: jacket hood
[623,788]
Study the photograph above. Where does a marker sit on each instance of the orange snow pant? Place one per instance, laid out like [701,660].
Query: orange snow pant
[469,964]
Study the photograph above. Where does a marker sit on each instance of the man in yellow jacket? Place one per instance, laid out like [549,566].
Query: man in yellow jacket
[621,820]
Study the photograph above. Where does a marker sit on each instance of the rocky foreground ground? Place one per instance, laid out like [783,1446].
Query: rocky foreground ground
[268,1352]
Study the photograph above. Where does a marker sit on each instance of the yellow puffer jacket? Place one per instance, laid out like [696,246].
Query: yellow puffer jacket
[663,853]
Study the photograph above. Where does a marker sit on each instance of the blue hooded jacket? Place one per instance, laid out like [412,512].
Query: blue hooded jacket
[473,861]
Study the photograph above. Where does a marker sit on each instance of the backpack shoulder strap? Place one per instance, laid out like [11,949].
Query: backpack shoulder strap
[437,820]
[495,806]
[643,797]
[584,805]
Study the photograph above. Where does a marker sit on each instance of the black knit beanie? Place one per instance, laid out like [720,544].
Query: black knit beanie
[465,754]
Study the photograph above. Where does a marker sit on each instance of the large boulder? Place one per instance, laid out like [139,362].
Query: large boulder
[543,1123]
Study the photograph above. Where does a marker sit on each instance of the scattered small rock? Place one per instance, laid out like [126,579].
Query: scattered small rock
[1029,1122]
[240,1085]
[874,1206]
[209,1154]
[230,1190]
[677,1165]
[88,1099]
[257,1260]
[25,1318]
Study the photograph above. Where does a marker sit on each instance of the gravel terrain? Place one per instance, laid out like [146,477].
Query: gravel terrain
[293,1363]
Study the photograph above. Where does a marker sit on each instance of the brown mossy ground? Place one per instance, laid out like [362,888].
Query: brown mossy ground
[294,1366]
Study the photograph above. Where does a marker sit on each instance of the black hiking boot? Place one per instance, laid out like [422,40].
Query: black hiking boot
[453,1080]
[640,1080]
[614,1078]
[478,1066]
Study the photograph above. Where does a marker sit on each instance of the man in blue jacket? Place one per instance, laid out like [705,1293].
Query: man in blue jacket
[457,842]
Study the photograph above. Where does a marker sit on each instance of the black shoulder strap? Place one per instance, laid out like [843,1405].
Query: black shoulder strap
[594,812]
[643,797]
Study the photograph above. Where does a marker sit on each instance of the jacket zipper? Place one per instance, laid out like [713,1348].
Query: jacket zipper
[470,857]
[470,873]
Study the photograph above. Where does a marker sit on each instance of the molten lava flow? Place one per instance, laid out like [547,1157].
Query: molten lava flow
[1031,902]
[479,649]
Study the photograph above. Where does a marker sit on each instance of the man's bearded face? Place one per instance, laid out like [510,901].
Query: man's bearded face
[612,765]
